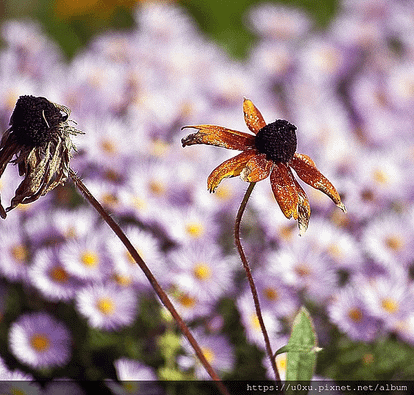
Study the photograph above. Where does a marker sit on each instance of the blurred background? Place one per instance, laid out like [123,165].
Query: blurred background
[73,23]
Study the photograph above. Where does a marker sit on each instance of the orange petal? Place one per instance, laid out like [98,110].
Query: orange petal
[218,136]
[307,172]
[252,116]
[304,210]
[257,168]
[284,187]
[230,168]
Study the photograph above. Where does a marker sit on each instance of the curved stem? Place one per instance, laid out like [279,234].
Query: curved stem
[250,278]
[155,285]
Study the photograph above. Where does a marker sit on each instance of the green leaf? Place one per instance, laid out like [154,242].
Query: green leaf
[301,349]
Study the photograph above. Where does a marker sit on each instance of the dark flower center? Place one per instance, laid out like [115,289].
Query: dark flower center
[277,140]
[34,120]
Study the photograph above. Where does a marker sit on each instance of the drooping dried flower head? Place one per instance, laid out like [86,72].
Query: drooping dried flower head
[269,151]
[38,141]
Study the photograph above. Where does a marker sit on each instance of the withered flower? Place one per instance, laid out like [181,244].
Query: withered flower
[38,141]
[271,151]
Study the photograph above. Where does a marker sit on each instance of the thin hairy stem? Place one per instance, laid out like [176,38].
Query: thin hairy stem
[157,288]
[250,278]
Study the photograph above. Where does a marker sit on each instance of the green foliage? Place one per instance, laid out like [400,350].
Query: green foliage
[301,348]
[225,23]
[384,359]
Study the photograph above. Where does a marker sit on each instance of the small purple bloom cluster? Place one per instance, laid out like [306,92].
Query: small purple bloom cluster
[350,91]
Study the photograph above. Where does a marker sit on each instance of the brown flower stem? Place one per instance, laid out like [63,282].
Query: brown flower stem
[157,288]
[250,278]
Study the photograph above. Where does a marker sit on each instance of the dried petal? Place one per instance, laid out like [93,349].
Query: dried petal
[306,170]
[39,139]
[257,168]
[304,210]
[252,116]
[230,168]
[285,190]
[218,136]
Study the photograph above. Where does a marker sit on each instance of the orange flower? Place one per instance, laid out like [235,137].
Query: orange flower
[269,152]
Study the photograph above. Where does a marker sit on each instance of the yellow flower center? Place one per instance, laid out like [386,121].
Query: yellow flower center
[335,251]
[394,242]
[223,192]
[202,271]
[281,362]
[39,342]
[389,305]
[254,320]
[130,259]
[271,294]
[286,232]
[112,175]
[187,301]
[157,188]
[302,270]
[90,258]
[122,280]
[355,314]
[159,148]
[59,274]
[108,146]
[209,354]
[329,59]
[109,199]
[194,229]
[70,232]
[139,203]
[380,176]
[20,253]
[106,306]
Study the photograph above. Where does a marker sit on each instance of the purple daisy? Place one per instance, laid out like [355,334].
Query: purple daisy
[15,252]
[306,269]
[273,60]
[9,375]
[389,298]
[349,312]
[134,377]
[40,341]
[86,258]
[131,370]
[340,246]
[405,329]
[190,225]
[148,248]
[279,22]
[202,270]
[324,60]
[74,224]
[42,230]
[389,239]
[107,306]
[50,277]
[275,296]
[216,349]
[188,305]
[251,323]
